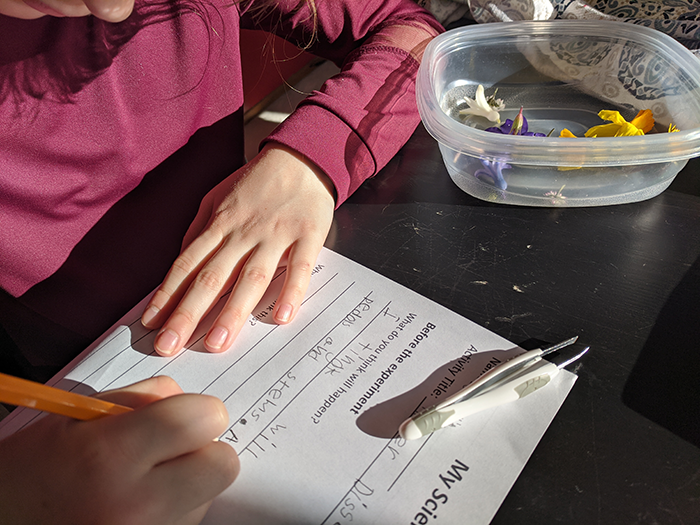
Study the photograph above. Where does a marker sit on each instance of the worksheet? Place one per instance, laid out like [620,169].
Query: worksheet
[315,405]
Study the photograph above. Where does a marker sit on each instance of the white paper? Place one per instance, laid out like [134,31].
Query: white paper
[315,405]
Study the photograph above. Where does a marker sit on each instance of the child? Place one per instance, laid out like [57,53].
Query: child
[122,136]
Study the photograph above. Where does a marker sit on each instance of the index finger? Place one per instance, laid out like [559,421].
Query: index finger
[167,428]
[143,392]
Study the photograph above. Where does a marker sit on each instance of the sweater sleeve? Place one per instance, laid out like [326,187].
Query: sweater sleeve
[361,117]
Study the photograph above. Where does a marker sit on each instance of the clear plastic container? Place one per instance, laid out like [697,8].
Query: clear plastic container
[562,72]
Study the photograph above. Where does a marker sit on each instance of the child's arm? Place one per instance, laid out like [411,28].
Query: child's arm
[157,464]
[277,210]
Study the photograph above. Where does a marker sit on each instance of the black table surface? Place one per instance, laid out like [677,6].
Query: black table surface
[625,446]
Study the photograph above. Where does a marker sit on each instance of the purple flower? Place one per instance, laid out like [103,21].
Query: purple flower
[493,169]
[507,128]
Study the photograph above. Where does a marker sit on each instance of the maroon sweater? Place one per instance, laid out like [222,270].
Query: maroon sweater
[112,133]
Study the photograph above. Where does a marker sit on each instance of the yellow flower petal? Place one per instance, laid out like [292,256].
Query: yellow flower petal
[619,127]
[672,128]
[644,120]
[614,130]
[612,116]
[604,130]
[567,134]
[629,130]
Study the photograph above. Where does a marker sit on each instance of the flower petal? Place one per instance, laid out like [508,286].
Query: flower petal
[612,116]
[629,130]
[604,130]
[480,98]
[494,171]
[644,120]
[480,107]
[567,134]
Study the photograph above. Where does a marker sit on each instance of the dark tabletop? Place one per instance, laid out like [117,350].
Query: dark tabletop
[625,446]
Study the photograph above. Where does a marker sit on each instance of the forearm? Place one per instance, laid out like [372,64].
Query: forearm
[360,118]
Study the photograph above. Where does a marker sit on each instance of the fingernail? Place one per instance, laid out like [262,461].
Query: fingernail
[149,315]
[217,337]
[166,342]
[284,313]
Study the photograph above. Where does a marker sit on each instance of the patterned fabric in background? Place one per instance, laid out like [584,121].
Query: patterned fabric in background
[602,70]
[677,18]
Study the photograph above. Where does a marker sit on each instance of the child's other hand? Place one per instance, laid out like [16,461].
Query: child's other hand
[109,10]
[275,211]
[157,464]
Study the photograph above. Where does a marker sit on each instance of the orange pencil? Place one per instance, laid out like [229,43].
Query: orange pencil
[21,392]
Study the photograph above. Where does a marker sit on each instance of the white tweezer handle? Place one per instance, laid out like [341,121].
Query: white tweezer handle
[520,385]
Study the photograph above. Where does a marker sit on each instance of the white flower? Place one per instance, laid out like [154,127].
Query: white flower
[482,107]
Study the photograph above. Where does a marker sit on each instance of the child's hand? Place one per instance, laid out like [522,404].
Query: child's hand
[155,465]
[109,10]
[277,210]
